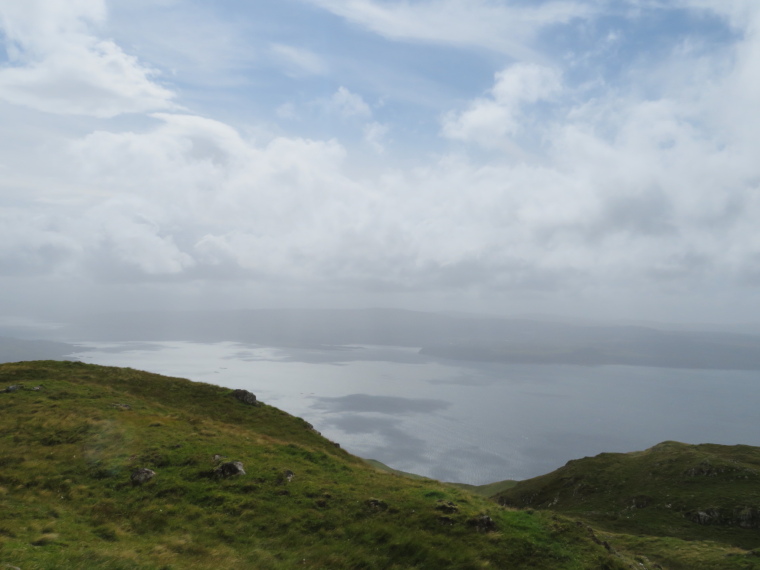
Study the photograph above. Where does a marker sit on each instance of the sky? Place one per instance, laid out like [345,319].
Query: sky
[586,158]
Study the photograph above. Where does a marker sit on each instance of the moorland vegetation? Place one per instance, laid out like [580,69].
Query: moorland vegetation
[73,435]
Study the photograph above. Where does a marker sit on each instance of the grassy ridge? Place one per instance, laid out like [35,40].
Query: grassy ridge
[686,506]
[67,451]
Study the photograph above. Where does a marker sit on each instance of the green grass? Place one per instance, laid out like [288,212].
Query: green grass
[67,451]
[649,502]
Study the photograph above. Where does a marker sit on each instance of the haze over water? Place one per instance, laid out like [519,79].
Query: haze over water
[470,422]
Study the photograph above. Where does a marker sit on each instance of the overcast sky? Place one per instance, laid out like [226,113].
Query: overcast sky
[583,157]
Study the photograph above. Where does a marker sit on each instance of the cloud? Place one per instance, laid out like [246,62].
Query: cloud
[299,61]
[501,27]
[633,186]
[374,134]
[490,120]
[57,64]
[350,104]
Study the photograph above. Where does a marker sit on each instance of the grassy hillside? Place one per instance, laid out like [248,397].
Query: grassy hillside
[686,506]
[489,489]
[67,451]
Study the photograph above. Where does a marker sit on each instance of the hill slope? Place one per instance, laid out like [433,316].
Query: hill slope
[68,449]
[662,501]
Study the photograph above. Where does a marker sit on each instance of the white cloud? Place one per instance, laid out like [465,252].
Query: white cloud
[649,185]
[489,121]
[350,104]
[299,61]
[59,65]
[497,26]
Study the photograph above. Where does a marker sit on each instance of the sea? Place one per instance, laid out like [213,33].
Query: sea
[462,421]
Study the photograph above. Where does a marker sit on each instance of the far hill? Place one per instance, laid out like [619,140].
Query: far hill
[461,337]
[14,350]
[661,501]
[73,437]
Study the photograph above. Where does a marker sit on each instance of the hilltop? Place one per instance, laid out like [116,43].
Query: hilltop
[685,506]
[72,435]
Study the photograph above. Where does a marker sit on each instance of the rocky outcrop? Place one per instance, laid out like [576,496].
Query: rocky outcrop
[377,504]
[708,469]
[17,387]
[482,523]
[246,397]
[142,476]
[743,517]
[229,469]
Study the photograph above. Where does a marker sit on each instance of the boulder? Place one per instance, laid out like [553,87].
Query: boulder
[482,523]
[142,475]
[14,388]
[229,469]
[246,397]
[377,504]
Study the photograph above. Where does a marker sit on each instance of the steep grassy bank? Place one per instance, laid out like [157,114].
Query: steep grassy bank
[686,506]
[67,451]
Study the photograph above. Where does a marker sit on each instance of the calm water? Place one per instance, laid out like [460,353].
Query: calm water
[462,421]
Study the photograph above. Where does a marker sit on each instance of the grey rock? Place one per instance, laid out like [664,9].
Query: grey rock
[229,469]
[14,388]
[377,504]
[482,523]
[246,397]
[142,475]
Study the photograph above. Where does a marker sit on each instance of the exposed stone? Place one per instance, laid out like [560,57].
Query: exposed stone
[121,406]
[142,475]
[229,469]
[246,397]
[743,517]
[377,504]
[14,388]
[218,457]
[288,474]
[482,523]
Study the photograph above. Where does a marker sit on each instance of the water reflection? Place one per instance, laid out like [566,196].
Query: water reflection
[466,421]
